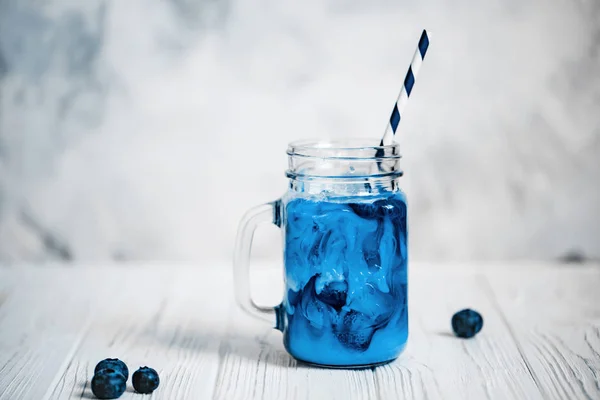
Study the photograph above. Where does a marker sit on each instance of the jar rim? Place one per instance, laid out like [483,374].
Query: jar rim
[340,149]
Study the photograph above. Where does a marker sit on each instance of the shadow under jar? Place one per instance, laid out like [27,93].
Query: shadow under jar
[343,220]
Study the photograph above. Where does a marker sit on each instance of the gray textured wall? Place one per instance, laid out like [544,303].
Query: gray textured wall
[142,129]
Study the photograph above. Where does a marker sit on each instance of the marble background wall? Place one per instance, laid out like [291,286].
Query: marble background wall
[143,129]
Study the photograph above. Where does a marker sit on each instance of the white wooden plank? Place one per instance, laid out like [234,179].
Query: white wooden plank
[246,360]
[42,324]
[254,364]
[408,378]
[554,314]
[259,368]
[252,351]
[540,338]
[438,365]
[114,327]
[169,322]
[340,384]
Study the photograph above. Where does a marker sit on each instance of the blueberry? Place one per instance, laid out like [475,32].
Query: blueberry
[364,210]
[334,294]
[394,207]
[359,341]
[356,331]
[145,380]
[113,363]
[466,323]
[108,384]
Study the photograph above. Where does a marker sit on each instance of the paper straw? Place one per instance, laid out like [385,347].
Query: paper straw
[409,81]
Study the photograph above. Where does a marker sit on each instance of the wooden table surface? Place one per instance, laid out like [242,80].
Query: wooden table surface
[540,340]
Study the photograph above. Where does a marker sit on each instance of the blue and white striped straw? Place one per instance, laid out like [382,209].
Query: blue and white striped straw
[409,81]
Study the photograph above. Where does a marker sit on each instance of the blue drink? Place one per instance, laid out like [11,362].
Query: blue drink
[346,279]
[343,219]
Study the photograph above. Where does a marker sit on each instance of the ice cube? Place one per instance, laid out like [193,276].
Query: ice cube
[370,249]
[364,210]
[314,310]
[374,304]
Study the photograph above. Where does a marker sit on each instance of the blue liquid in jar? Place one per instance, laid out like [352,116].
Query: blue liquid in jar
[346,280]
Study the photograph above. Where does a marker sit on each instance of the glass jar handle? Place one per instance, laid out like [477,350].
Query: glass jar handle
[269,212]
